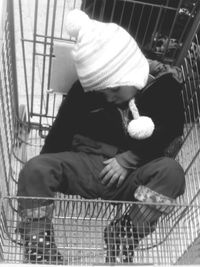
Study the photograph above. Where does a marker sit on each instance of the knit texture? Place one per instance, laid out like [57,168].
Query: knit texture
[107,56]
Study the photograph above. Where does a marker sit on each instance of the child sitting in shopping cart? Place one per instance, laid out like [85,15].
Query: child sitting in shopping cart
[109,139]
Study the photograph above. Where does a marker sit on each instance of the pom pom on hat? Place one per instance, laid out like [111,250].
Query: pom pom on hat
[75,20]
[140,127]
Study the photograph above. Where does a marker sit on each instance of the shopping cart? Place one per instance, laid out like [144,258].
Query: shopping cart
[166,30]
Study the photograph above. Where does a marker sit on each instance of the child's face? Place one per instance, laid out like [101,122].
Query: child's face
[119,95]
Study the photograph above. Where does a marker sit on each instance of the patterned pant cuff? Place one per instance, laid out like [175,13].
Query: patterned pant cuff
[145,194]
[37,213]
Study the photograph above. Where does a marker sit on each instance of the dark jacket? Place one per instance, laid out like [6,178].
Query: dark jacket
[89,115]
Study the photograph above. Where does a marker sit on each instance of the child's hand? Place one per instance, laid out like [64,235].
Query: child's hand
[113,173]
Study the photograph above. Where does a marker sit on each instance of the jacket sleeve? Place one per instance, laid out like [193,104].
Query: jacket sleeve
[162,102]
[61,132]
[70,117]
[129,160]
[157,68]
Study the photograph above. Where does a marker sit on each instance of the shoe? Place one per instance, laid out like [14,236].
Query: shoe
[121,239]
[39,244]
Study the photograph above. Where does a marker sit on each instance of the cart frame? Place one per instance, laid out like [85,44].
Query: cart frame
[25,124]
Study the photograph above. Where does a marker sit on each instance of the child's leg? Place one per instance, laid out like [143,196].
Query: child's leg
[72,173]
[37,237]
[160,181]
[43,176]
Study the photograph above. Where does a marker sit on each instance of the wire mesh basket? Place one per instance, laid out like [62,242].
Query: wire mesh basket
[89,232]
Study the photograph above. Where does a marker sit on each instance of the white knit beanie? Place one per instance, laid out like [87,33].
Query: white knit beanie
[107,56]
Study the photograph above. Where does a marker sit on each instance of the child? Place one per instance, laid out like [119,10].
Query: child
[99,144]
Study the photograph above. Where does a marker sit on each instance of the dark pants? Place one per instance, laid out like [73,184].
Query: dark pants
[76,173]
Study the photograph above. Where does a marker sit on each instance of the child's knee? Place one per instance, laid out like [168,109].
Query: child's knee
[32,177]
[174,174]
[32,166]
[170,178]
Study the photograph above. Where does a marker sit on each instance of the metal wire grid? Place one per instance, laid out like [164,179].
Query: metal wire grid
[27,144]
[8,94]
[40,23]
[80,225]
[149,21]
[189,155]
